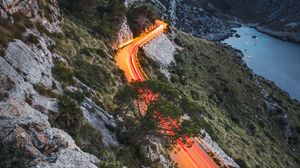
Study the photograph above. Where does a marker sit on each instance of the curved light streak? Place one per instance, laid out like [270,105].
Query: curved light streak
[126,59]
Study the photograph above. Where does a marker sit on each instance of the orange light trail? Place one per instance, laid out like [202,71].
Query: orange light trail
[126,59]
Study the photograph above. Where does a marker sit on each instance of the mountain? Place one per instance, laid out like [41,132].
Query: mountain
[59,82]
[212,19]
[278,18]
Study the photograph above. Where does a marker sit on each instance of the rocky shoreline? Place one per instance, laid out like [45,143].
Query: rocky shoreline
[283,35]
[240,54]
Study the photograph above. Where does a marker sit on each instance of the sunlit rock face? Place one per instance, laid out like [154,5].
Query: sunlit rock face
[124,34]
[25,66]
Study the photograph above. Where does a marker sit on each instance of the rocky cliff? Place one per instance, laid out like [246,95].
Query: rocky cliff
[274,17]
[29,93]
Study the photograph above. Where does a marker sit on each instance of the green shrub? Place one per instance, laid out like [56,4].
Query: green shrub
[70,118]
[92,75]
[63,73]
[11,157]
[44,91]
[13,30]
[86,51]
[101,16]
[140,18]
[89,139]
[32,39]
[241,163]
[73,122]
[110,164]
[78,95]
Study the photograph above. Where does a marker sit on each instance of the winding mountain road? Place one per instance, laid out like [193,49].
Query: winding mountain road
[126,59]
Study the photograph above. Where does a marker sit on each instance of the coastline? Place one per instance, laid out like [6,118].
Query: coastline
[261,78]
[292,37]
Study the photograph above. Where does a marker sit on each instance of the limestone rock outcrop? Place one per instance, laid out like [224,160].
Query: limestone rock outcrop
[102,121]
[31,131]
[162,50]
[156,153]
[35,10]
[25,65]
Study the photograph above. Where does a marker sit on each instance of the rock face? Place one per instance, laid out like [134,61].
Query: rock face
[210,145]
[198,18]
[24,112]
[31,131]
[210,19]
[35,10]
[102,121]
[34,66]
[155,152]
[193,17]
[25,67]
[124,34]
[27,63]
[162,50]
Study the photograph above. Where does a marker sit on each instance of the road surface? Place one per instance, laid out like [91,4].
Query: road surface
[127,60]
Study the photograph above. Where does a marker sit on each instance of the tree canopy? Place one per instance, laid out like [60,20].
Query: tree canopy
[153,108]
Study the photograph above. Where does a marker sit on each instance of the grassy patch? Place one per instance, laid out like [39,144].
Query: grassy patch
[93,75]
[44,91]
[101,17]
[63,73]
[90,60]
[12,30]
[70,117]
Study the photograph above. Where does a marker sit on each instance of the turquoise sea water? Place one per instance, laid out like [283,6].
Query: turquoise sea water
[274,59]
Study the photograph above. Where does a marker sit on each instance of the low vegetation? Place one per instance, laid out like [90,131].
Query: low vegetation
[89,60]
[11,156]
[45,91]
[141,17]
[10,30]
[100,16]
[228,101]
[144,120]
[85,44]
